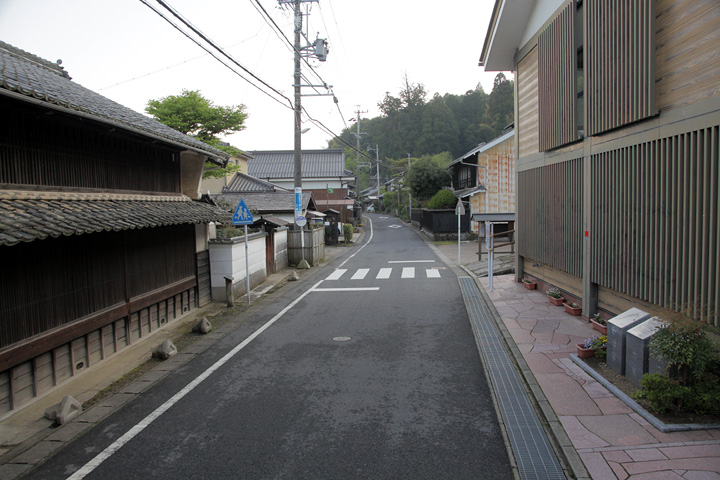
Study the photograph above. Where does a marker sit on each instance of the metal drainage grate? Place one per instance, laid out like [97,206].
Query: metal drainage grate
[531,448]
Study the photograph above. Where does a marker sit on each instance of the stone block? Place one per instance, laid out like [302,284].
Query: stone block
[617,330]
[64,411]
[203,326]
[637,355]
[165,350]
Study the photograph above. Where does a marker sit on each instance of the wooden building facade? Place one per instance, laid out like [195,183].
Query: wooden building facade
[484,177]
[102,240]
[617,115]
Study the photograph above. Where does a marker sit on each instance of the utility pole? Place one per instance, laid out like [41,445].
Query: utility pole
[357,144]
[409,192]
[319,50]
[377,167]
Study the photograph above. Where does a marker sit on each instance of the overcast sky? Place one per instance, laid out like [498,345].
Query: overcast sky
[126,52]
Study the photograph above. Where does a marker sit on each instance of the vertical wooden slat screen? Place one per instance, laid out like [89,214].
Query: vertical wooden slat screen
[39,150]
[655,225]
[549,215]
[556,81]
[620,67]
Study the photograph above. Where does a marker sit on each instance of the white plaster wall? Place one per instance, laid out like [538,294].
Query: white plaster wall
[228,260]
[201,237]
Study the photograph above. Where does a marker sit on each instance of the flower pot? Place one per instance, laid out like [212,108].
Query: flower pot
[558,302]
[529,285]
[572,310]
[600,328]
[584,352]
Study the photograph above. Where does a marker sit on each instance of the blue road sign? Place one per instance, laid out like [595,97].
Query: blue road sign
[242,215]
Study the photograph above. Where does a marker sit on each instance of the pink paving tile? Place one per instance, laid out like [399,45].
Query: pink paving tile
[715,433]
[525,348]
[539,363]
[697,475]
[701,464]
[645,454]
[596,466]
[612,406]
[543,337]
[560,339]
[520,335]
[692,451]
[597,391]
[698,435]
[617,430]
[510,322]
[580,436]
[618,456]
[545,347]
[618,470]
[565,395]
[526,322]
[668,475]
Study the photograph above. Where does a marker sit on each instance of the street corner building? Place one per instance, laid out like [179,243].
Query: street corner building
[103,238]
[617,117]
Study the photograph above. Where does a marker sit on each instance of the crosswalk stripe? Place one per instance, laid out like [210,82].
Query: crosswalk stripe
[408,272]
[432,273]
[337,274]
[384,273]
[360,274]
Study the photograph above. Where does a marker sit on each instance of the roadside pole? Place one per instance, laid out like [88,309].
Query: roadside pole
[243,216]
[491,253]
[459,211]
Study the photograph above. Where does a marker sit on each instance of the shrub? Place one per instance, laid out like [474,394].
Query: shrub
[347,231]
[442,199]
[685,347]
[663,393]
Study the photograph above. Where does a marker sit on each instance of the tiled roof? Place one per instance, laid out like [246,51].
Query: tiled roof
[28,215]
[34,78]
[246,183]
[315,164]
[268,202]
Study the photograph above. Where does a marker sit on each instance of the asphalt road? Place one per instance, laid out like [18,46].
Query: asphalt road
[365,369]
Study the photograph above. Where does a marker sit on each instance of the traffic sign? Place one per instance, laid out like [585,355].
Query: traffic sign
[300,221]
[460,208]
[298,202]
[242,215]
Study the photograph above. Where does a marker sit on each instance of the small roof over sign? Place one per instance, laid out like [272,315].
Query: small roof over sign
[493,217]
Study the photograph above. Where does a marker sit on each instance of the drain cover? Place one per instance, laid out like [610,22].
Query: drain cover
[341,339]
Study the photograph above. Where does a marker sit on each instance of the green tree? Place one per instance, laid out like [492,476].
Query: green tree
[501,103]
[425,177]
[192,114]
[439,129]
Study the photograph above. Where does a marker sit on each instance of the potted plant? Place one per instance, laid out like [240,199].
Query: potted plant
[586,349]
[573,309]
[529,284]
[599,323]
[555,296]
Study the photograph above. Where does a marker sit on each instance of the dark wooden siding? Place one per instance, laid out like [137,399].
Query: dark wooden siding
[39,148]
[549,216]
[49,283]
[203,275]
[655,222]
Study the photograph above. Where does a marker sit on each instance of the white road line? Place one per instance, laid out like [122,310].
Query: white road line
[336,274]
[408,272]
[384,273]
[432,273]
[411,261]
[349,289]
[360,274]
[130,434]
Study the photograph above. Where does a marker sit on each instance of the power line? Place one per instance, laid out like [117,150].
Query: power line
[210,42]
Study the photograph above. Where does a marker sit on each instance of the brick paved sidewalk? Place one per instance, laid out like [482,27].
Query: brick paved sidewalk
[612,440]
